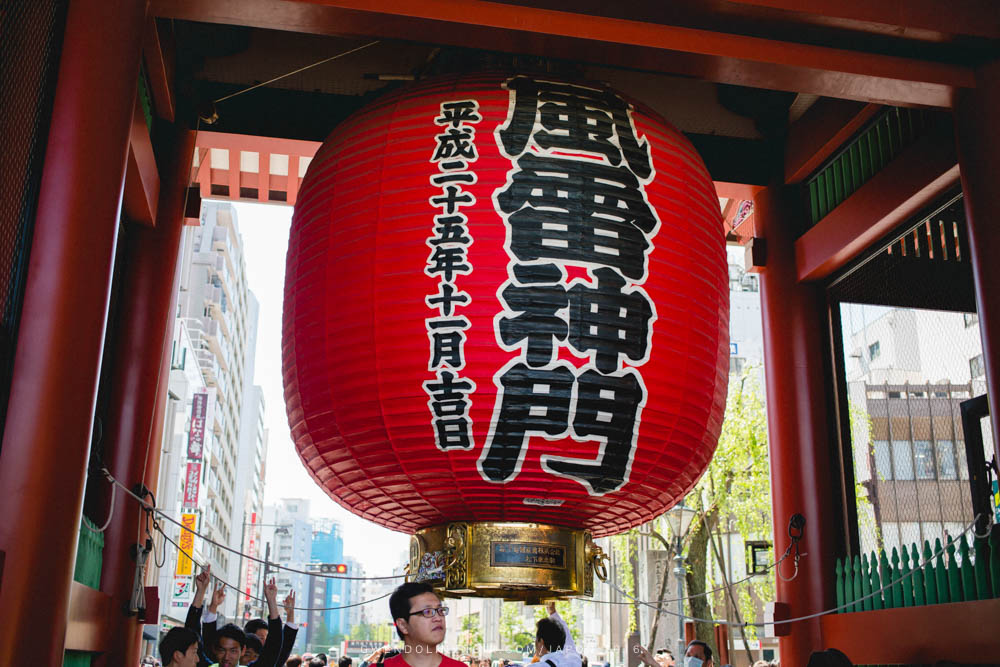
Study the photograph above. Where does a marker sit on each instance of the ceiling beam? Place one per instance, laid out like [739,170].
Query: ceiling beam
[979,18]
[709,55]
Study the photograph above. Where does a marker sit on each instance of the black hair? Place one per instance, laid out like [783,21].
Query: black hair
[703,645]
[322,656]
[255,624]
[550,633]
[399,601]
[316,662]
[176,639]
[345,661]
[584,661]
[831,657]
[254,642]
[231,631]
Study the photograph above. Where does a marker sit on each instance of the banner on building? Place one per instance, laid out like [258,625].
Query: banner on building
[183,591]
[191,481]
[185,567]
[196,435]
[251,551]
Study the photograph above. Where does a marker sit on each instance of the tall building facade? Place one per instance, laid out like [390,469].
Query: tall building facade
[287,537]
[908,373]
[328,547]
[212,432]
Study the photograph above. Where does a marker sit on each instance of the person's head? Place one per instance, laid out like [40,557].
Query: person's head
[251,649]
[549,636]
[584,662]
[179,648]
[418,614]
[344,661]
[229,642]
[322,656]
[294,660]
[831,657]
[699,650]
[257,626]
[317,662]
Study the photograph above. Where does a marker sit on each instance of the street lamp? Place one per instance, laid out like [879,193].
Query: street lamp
[679,519]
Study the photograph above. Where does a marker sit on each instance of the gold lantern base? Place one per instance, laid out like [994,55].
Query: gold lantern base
[515,561]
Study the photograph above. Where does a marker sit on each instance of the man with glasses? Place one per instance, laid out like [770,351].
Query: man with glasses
[419,618]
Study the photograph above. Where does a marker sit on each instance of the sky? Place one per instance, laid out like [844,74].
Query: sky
[264,228]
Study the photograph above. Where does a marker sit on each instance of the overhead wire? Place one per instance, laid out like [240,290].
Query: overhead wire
[225,583]
[153,509]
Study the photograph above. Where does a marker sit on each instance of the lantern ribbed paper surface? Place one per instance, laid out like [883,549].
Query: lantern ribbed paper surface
[506,299]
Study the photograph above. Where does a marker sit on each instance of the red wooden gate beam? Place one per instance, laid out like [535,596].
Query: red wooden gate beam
[711,55]
[962,17]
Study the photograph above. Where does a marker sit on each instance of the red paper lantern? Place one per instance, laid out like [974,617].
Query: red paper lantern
[506,299]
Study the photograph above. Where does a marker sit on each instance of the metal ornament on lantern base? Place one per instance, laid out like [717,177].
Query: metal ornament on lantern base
[514,561]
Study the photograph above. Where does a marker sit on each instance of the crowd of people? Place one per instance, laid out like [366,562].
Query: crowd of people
[419,617]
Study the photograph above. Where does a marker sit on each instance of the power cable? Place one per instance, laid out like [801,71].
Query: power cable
[260,599]
[269,564]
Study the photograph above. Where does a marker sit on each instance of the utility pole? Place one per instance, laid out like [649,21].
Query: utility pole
[267,559]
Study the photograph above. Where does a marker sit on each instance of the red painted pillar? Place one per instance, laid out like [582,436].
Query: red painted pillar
[143,325]
[46,439]
[978,140]
[794,323]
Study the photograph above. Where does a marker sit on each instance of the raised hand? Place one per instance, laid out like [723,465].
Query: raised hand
[204,577]
[550,607]
[218,595]
[645,656]
[289,605]
[201,582]
[271,595]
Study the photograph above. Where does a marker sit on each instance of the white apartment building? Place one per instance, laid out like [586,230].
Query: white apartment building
[214,336]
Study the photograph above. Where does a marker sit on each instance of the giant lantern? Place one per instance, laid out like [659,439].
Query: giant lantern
[506,325]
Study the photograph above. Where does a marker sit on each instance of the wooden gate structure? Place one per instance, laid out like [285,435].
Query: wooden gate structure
[773,93]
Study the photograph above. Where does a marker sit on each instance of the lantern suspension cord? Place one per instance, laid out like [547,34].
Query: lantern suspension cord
[301,69]
[260,599]
[846,605]
[156,511]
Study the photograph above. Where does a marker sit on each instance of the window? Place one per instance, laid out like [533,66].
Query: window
[883,460]
[874,350]
[923,455]
[976,367]
[963,465]
[902,459]
[946,459]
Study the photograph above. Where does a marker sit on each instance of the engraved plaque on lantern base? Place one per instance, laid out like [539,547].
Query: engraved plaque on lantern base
[515,561]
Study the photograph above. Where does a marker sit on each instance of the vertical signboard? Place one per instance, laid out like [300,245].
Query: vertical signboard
[191,481]
[250,550]
[196,434]
[185,566]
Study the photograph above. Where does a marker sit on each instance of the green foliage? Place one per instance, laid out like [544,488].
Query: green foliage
[373,631]
[470,637]
[514,630]
[736,490]
[861,433]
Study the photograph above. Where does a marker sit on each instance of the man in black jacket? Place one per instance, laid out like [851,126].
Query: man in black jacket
[227,643]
